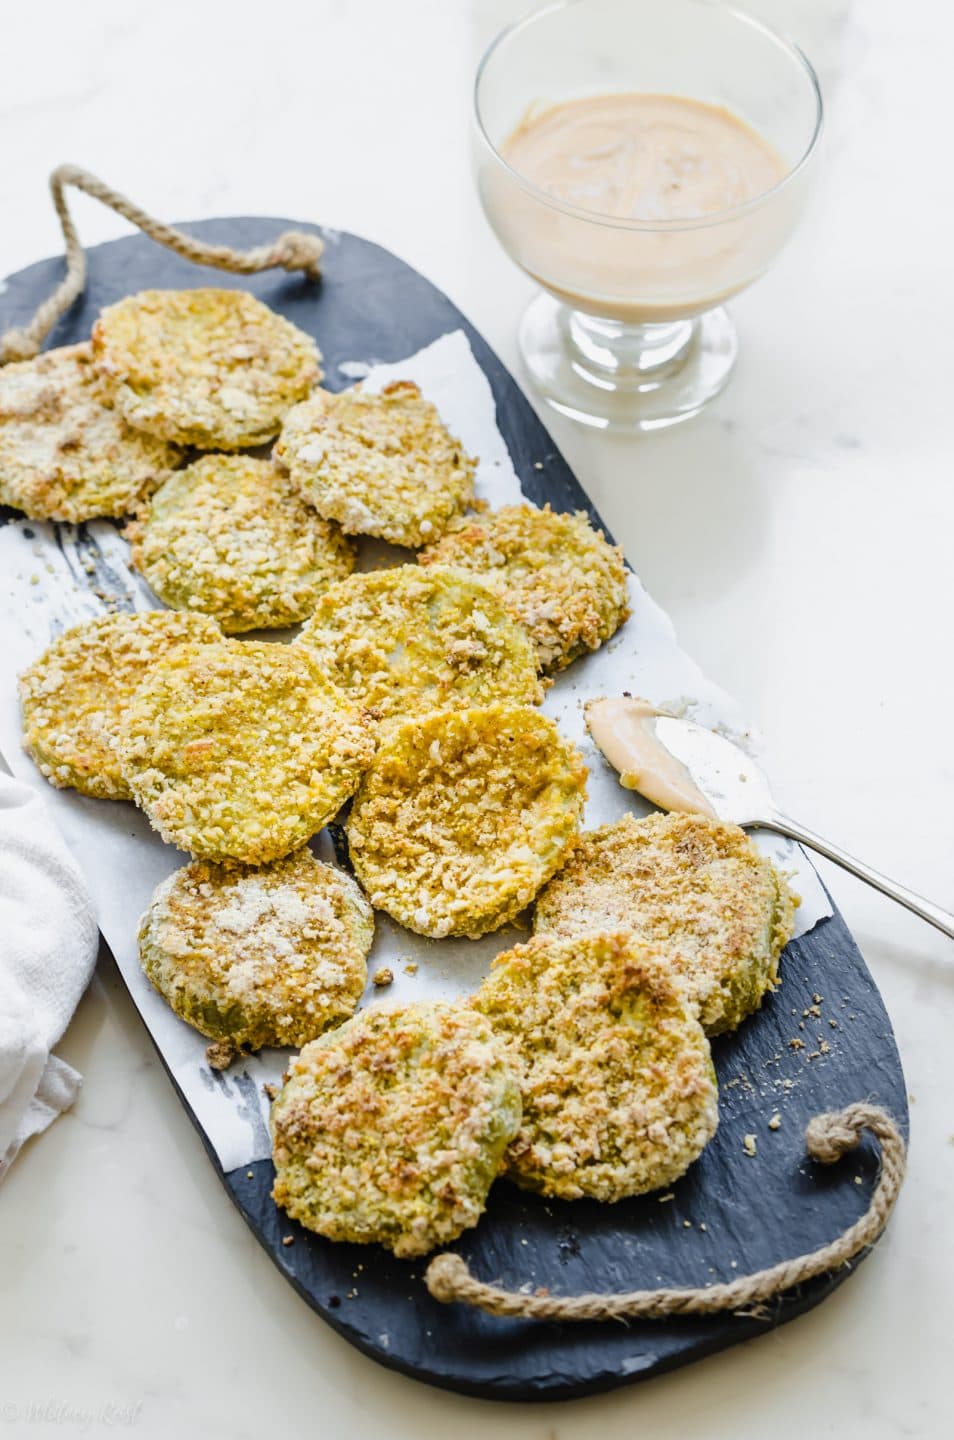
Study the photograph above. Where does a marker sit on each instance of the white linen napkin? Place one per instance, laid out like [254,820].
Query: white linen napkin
[48,944]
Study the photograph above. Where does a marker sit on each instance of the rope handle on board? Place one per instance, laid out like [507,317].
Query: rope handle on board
[293,250]
[828,1138]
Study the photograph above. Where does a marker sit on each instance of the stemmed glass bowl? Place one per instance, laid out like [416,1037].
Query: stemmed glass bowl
[629,331]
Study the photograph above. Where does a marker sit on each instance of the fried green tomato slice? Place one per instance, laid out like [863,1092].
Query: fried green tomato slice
[212,368]
[392,1128]
[231,537]
[75,695]
[618,1089]
[701,888]
[66,453]
[382,465]
[463,816]
[273,955]
[557,576]
[241,750]
[407,641]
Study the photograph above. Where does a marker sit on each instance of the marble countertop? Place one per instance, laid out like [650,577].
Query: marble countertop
[133,1295]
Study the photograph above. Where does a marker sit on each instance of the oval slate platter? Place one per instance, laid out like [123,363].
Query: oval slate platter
[756,1210]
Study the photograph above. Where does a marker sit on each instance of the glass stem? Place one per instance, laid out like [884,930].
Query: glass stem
[621,352]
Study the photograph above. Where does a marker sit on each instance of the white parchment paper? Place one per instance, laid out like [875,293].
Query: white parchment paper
[53,576]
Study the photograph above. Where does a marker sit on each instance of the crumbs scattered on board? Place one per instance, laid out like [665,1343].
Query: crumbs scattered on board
[822,1046]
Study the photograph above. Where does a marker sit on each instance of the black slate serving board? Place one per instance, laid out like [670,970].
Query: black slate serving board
[822,1041]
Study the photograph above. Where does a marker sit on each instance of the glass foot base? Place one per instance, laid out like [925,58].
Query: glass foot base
[625,377]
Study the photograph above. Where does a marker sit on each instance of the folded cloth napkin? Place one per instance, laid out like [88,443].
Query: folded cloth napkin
[48,943]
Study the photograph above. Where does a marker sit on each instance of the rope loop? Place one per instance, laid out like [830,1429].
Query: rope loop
[293,250]
[828,1137]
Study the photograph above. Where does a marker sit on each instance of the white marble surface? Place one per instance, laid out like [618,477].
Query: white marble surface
[132,1292]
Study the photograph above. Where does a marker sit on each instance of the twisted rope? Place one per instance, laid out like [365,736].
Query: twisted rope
[828,1138]
[293,250]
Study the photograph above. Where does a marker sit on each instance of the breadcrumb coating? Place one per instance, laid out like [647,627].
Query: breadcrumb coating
[700,888]
[392,1128]
[241,750]
[555,574]
[212,368]
[382,465]
[272,955]
[230,536]
[66,453]
[407,641]
[75,695]
[463,816]
[618,1088]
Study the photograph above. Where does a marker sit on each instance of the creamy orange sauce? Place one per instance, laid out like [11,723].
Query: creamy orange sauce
[640,158]
[643,157]
[624,730]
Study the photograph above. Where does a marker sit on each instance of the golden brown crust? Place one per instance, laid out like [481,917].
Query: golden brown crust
[699,888]
[241,750]
[211,368]
[272,955]
[619,1094]
[464,816]
[382,465]
[555,574]
[407,641]
[230,537]
[75,695]
[66,453]
[392,1128]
